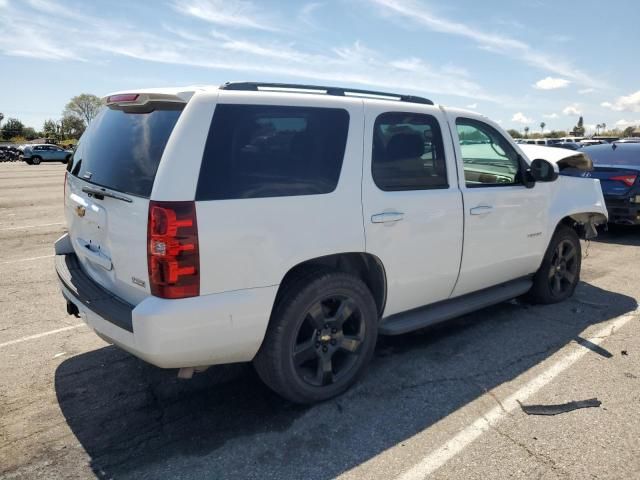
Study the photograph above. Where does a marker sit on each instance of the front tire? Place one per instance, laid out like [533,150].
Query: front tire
[320,339]
[35,160]
[559,273]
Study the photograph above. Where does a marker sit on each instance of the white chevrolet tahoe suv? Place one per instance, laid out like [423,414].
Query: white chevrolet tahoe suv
[290,225]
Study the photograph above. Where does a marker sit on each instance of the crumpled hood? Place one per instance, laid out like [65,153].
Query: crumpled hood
[563,157]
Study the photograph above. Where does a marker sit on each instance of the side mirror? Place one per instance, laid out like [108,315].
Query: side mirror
[543,170]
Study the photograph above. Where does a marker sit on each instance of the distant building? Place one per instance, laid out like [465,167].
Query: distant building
[636,133]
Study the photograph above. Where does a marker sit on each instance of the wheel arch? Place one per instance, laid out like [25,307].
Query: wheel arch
[365,266]
[584,223]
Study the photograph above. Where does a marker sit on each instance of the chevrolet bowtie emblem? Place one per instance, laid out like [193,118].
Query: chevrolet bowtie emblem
[80,211]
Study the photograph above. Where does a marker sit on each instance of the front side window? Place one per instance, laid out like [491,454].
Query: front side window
[256,151]
[488,157]
[408,153]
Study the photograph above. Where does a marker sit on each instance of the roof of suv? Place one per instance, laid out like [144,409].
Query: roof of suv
[183,94]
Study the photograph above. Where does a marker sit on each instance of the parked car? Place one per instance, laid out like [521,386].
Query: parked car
[34,154]
[567,145]
[537,141]
[617,166]
[291,227]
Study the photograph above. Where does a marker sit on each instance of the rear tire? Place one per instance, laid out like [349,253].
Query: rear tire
[559,273]
[35,160]
[321,337]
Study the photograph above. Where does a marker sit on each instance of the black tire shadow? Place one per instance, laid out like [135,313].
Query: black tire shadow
[620,235]
[137,421]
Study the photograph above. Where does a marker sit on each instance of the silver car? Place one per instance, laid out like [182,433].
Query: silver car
[34,154]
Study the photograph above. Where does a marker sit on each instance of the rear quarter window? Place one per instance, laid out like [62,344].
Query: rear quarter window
[257,151]
[121,149]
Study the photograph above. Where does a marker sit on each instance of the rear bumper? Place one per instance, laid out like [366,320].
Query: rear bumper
[623,211]
[199,331]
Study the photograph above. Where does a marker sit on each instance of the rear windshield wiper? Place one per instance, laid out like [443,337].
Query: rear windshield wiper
[100,193]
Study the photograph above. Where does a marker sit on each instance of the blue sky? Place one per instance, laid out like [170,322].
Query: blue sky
[520,62]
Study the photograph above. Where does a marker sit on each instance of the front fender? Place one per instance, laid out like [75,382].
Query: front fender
[580,199]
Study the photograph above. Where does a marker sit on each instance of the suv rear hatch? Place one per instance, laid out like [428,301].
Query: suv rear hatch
[108,186]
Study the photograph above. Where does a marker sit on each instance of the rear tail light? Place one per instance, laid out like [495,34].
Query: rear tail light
[172,250]
[628,180]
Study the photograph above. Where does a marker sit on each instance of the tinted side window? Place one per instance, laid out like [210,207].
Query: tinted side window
[408,153]
[488,158]
[256,151]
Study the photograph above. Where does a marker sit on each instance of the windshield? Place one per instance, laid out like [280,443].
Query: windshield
[121,150]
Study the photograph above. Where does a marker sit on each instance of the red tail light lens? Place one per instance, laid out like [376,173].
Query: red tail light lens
[172,250]
[628,180]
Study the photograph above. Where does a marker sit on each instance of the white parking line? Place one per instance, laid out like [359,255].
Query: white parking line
[17,260]
[40,335]
[465,437]
[31,226]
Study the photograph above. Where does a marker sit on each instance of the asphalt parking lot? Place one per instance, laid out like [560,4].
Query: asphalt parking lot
[441,402]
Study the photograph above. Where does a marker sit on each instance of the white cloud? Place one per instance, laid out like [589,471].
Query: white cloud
[572,110]
[550,83]
[307,11]
[26,31]
[584,91]
[627,123]
[629,103]
[238,13]
[521,118]
[551,115]
[420,13]
[472,106]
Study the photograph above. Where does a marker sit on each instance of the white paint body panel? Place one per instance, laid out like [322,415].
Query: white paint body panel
[247,243]
[507,242]
[247,246]
[421,252]
[116,233]
[198,331]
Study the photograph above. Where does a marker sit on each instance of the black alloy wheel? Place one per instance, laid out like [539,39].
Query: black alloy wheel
[563,269]
[328,341]
[321,335]
[559,273]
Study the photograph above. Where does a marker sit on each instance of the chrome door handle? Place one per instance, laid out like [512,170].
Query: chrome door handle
[387,217]
[481,210]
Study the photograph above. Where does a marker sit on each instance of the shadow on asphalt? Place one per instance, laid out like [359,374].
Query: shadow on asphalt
[620,235]
[137,421]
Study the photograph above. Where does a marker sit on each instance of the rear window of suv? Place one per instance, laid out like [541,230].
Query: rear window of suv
[257,151]
[121,149]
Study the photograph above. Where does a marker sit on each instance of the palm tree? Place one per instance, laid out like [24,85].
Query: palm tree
[542,125]
[598,126]
[526,132]
[604,127]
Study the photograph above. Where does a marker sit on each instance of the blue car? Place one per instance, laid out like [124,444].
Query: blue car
[34,154]
[617,165]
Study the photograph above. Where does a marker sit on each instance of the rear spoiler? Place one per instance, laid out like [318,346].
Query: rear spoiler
[141,99]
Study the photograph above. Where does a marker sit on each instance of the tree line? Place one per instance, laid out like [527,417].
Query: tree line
[76,116]
[578,131]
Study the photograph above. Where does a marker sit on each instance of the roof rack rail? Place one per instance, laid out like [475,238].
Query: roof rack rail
[317,89]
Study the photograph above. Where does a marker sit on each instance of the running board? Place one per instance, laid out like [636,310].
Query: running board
[447,309]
